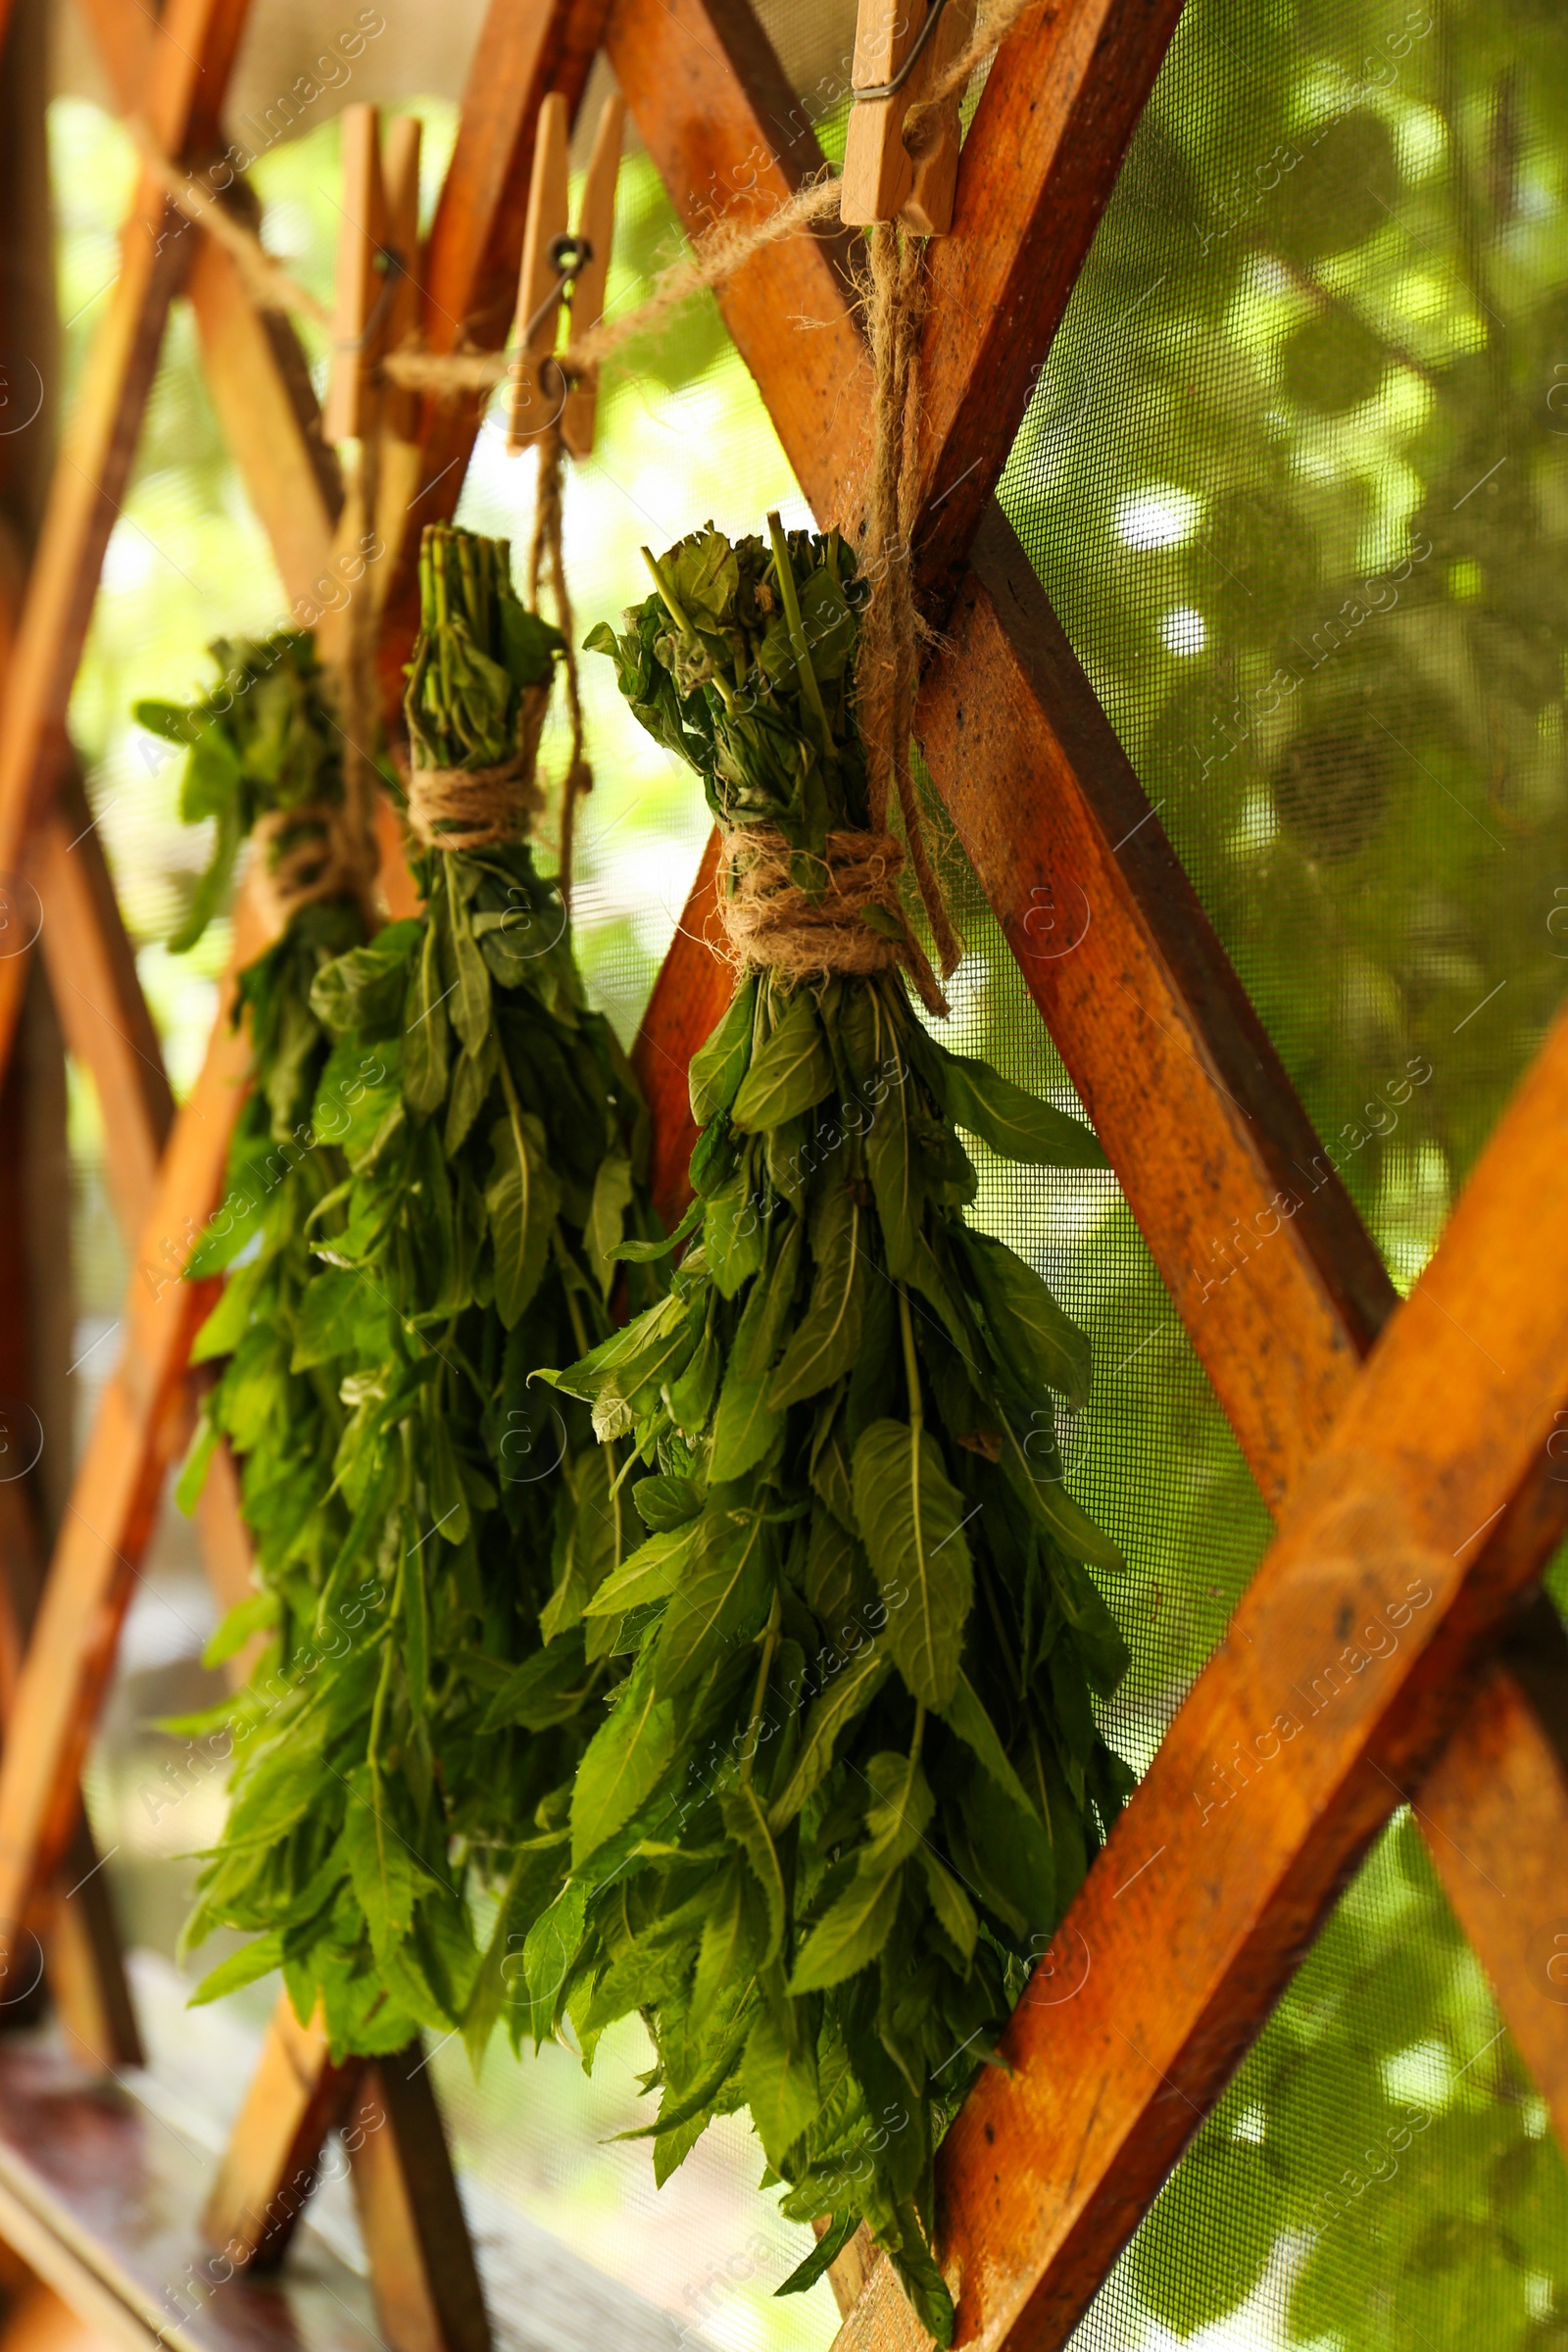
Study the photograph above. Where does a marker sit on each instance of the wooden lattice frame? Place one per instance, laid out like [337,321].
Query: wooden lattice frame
[1424,1467]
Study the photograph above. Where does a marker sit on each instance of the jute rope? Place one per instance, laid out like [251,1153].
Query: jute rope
[548,555]
[477,808]
[769,921]
[309,854]
[270,283]
[717,256]
[887,666]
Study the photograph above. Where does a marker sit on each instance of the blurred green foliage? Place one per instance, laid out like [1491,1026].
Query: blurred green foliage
[1295,478]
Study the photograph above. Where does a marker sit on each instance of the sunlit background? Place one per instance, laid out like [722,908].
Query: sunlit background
[1324,328]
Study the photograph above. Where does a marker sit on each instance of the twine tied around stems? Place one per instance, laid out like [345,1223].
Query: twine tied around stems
[477,808]
[322,849]
[769,920]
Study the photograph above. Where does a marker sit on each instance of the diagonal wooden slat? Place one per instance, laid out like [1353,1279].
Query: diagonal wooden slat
[295,2098]
[1039,165]
[1194,1148]
[140,1422]
[188,69]
[1171,1063]
[1500,1788]
[1343,1670]
[88,1989]
[91,964]
[92,976]
[722,122]
[718,114]
[253,368]
[88,957]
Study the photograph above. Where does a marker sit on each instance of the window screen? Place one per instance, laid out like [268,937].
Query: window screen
[1294,478]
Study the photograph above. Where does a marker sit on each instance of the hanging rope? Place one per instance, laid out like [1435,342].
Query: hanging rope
[888,660]
[270,286]
[716,257]
[548,556]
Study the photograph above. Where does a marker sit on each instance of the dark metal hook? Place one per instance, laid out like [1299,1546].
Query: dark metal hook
[891,89]
[570,256]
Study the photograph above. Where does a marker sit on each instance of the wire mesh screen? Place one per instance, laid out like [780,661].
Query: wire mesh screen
[1292,476]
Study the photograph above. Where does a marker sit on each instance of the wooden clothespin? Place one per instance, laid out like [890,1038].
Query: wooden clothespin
[901,49]
[400,173]
[555,261]
[375,307]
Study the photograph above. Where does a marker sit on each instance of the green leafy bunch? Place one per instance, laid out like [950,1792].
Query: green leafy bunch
[405,1764]
[260,743]
[852,1776]
[264,743]
[742,663]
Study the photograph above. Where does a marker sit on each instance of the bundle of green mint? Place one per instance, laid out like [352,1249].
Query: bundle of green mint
[852,1776]
[406,1760]
[264,750]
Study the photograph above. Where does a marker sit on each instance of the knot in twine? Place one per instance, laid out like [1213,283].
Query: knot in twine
[769,920]
[322,849]
[476,808]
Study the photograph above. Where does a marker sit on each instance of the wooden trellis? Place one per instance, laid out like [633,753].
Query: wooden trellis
[1402,1447]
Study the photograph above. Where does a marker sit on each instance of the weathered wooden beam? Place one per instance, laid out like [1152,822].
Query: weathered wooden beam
[139,1427]
[188,69]
[425,2279]
[1346,1665]
[269,2172]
